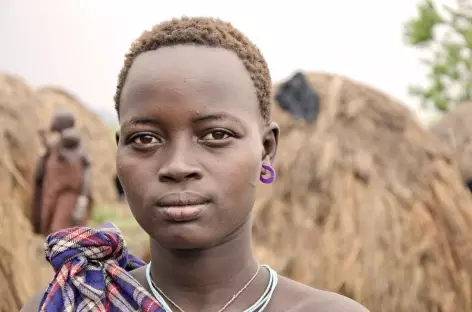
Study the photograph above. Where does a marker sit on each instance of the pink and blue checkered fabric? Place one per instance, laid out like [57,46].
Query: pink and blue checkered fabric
[91,273]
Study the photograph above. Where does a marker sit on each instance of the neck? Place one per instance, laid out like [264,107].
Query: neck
[227,265]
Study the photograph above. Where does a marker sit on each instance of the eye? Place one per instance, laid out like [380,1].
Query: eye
[217,135]
[145,139]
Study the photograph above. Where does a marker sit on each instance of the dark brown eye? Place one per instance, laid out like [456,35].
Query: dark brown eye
[145,139]
[216,135]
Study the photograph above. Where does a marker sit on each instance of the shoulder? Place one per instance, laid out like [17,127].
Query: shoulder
[325,301]
[298,297]
[139,275]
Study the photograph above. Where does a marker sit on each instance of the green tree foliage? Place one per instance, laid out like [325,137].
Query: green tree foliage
[446,34]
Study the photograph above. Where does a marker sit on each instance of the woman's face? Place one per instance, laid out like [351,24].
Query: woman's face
[191,144]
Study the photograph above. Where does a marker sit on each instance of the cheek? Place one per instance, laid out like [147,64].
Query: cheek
[133,175]
[240,175]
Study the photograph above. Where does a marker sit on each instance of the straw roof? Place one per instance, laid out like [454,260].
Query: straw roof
[16,98]
[367,204]
[22,269]
[454,130]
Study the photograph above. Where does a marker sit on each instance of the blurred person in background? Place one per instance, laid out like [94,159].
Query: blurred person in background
[65,199]
[62,120]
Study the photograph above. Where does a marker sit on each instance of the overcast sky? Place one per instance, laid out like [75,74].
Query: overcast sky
[80,45]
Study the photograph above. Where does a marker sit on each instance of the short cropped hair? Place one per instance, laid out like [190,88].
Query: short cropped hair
[209,32]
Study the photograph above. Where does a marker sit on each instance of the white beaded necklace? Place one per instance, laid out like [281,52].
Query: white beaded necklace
[258,306]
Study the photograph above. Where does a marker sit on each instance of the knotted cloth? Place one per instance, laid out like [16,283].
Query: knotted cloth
[91,273]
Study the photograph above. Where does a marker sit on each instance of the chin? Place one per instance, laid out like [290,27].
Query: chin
[183,236]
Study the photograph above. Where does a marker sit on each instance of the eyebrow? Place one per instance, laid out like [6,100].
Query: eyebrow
[217,116]
[155,122]
[141,121]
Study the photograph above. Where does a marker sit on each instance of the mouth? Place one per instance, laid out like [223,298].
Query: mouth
[182,207]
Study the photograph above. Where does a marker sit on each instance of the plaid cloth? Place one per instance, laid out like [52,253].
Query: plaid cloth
[91,273]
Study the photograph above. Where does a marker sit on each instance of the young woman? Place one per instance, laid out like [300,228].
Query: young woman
[195,141]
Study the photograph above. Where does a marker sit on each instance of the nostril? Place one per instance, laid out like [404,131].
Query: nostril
[164,178]
[193,175]
[179,176]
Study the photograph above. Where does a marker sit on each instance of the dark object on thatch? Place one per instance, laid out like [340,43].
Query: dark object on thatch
[367,204]
[298,98]
[23,270]
[454,130]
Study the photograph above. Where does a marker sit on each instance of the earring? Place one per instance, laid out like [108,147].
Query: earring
[271,171]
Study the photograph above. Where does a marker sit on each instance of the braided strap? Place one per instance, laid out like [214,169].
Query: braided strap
[91,273]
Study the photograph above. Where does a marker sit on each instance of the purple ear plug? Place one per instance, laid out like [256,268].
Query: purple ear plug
[271,171]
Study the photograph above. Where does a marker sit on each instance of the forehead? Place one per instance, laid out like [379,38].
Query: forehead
[201,76]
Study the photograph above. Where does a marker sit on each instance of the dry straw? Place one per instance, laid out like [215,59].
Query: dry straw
[97,137]
[22,270]
[368,204]
[454,130]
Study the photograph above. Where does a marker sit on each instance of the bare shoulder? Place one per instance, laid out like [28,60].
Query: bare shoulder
[297,297]
[32,305]
[325,301]
[139,274]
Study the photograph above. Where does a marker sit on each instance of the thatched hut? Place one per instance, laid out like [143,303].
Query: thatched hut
[454,130]
[97,136]
[367,204]
[22,268]
[17,113]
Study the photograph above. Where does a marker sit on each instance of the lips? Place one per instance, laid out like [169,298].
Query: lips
[181,200]
[180,207]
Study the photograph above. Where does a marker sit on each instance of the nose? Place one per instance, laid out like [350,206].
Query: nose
[179,166]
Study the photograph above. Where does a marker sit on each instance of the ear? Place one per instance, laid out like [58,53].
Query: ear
[270,142]
[117,137]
